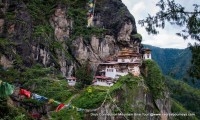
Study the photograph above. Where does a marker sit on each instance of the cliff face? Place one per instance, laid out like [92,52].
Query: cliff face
[131,100]
[48,37]
[111,15]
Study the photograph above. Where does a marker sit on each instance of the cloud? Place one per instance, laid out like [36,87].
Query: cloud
[167,37]
[138,7]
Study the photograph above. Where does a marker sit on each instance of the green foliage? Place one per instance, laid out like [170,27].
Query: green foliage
[6,46]
[126,107]
[4,42]
[8,112]
[79,85]
[126,90]
[10,16]
[194,70]
[67,114]
[49,88]
[43,30]
[18,62]
[90,99]
[78,13]
[154,79]
[116,87]
[130,80]
[35,72]
[186,95]
[33,102]
[84,74]
[9,75]
[41,10]
[178,108]
[137,36]
[174,13]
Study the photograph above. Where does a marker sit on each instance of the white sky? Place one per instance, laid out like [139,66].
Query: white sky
[167,37]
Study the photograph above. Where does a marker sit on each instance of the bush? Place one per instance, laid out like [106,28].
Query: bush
[8,112]
[90,99]
[35,72]
[79,85]
[84,74]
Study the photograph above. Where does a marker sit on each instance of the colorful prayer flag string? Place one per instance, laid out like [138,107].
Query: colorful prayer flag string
[90,13]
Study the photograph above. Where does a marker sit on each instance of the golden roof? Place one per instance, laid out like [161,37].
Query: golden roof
[127,52]
[147,49]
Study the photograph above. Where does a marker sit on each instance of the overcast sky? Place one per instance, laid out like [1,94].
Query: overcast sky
[167,37]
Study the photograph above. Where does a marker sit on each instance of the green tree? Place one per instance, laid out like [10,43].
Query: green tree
[84,74]
[194,70]
[175,13]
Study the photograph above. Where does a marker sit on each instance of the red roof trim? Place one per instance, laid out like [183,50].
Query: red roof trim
[72,78]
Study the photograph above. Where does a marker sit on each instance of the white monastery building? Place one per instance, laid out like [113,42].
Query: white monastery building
[71,81]
[147,54]
[103,81]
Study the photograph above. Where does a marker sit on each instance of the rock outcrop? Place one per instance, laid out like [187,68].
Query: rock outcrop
[138,103]
[111,15]
[50,42]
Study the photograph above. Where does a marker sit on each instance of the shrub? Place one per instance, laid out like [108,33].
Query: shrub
[90,99]
[84,74]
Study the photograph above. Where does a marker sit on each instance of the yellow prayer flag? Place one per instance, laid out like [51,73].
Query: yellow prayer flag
[91,4]
[50,101]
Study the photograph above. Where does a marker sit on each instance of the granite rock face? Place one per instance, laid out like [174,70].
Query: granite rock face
[111,15]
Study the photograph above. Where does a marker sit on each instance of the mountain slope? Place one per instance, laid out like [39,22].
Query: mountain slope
[188,96]
[173,62]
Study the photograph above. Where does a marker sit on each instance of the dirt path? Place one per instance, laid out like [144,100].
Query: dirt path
[70,100]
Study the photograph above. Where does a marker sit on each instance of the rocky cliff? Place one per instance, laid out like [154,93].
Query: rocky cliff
[54,33]
[37,39]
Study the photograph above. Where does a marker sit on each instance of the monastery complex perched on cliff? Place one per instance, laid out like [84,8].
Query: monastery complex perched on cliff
[126,61]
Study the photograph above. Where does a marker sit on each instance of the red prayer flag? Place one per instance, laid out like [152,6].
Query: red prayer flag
[25,92]
[60,107]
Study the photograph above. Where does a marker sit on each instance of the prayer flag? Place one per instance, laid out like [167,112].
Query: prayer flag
[60,107]
[25,92]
